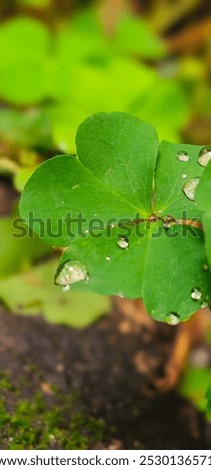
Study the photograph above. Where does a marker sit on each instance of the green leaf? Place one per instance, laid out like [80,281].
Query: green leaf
[161,266]
[35,294]
[194,386]
[87,83]
[75,191]
[140,92]
[107,180]
[78,45]
[206,220]
[208,393]
[133,36]
[118,175]
[24,45]
[165,106]
[18,253]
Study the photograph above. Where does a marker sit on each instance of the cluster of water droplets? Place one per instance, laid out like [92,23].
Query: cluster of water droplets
[69,273]
[173,318]
[204,157]
[196,294]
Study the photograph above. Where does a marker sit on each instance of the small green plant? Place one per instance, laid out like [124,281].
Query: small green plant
[130,214]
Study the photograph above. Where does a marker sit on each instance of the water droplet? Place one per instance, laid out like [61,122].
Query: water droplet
[123,242]
[66,288]
[196,293]
[70,272]
[184,175]
[182,156]
[190,188]
[168,221]
[204,156]
[87,231]
[121,295]
[205,267]
[108,258]
[172,318]
[204,304]
[95,214]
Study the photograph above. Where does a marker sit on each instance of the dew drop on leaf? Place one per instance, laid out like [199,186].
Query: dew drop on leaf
[190,188]
[204,156]
[108,258]
[70,272]
[196,293]
[205,267]
[172,318]
[182,156]
[123,242]
[184,176]
[66,288]
[168,221]
[204,304]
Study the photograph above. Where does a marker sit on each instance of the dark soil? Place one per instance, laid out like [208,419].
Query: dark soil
[110,367]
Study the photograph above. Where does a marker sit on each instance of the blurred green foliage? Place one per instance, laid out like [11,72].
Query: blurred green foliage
[75,71]
[194,387]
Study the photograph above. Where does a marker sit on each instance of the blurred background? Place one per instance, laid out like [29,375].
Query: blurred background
[61,61]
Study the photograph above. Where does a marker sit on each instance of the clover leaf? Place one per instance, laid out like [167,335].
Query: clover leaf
[124,209]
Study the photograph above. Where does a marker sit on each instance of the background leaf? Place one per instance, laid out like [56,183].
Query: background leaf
[34,293]
[133,36]
[194,386]
[22,36]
